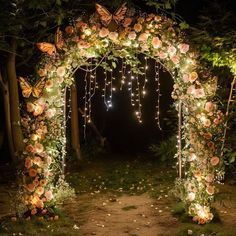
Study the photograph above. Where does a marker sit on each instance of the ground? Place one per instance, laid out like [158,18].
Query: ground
[119,196]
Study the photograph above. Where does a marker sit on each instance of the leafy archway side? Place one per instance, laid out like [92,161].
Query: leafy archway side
[155,36]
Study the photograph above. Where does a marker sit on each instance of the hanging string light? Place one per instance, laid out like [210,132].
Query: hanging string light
[145,76]
[157,80]
[138,100]
[123,73]
[85,100]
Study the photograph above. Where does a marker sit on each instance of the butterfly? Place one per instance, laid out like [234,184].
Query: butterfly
[107,17]
[50,48]
[28,89]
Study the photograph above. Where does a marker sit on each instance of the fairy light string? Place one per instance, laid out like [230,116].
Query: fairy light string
[157,81]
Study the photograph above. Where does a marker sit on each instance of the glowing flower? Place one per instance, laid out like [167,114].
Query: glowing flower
[210,190]
[175,59]
[162,55]
[185,78]
[30,107]
[40,190]
[34,137]
[183,47]
[30,187]
[34,211]
[61,71]
[42,72]
[49,84]
[132,35]
[39,203]
[206,122]
[32,172]
[193,76]
[69,29]
[127,22]
[113,36]
[215,161]
[28,163]
[156,42]
[104,32]
[30,148]
[191,196]
[38,147]
[171,50]
[210,178]
[138,27]
[38,110]
[49,195]
[143,37]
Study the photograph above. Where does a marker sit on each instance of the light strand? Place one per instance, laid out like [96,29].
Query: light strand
[157,80]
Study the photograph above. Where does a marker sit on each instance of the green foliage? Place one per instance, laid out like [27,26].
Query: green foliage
[166,150]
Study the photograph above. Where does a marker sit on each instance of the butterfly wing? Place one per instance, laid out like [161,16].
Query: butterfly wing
[104,14]
[26,87]
[49,48]
[119,15]
[59,42]
[37,90]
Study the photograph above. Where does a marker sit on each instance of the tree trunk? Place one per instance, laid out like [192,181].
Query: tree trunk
[17,135]
[75,140]
[6,103]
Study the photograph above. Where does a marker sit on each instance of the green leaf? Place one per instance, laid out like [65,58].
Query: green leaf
[183,25]
[113,64]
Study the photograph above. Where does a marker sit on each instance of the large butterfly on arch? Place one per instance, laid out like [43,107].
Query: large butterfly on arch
[50,48]
[107,18]
[36,90]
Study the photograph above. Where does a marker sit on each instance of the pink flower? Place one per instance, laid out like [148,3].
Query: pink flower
[40,190]
[191,90]
[207,122]
[183,47]
[156,42]
[48,160]
[132,35]
[199,93]
[49,84]
[50,113]
[61,71]
[38,147]
[113,36]
[103,32]
[49,195]
[38,110]
[38,160]
[30,107]
[171,50]
[162,55]
[30,148]
[138,27]
[127,22]
[83,44]
[185,78]
[209,106]
[28,163]
[210,190]
[216,121]
[215,161]
[60,80]
[175,59]
[143,37]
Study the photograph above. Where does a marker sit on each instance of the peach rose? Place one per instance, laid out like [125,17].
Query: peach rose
[197,174]
[30,148]
[38,160]
[127,22]
[61,71]
[39,203]
[175,59]
[50,112]
[143,37]
[113,36]
[215,161]
[30,107]
[69,29]
[132,35]
[30,187]
[104,32]
[34,211]
[199,93]
[138,27]
[210,190]
[49,195]
[171,50]
[209,106]
[216,121]
[211,145]
[193,76]
[32,172]
[183,47]
[185,78]
[210,178]
[206,122]
[28,163]
[40,190]
[42,72]
[162,55]
[156,42]
[49,84]
[208,136]
[38,110]
[38,147]
[36,182]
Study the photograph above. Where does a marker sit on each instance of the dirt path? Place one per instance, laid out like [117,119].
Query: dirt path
[126,215]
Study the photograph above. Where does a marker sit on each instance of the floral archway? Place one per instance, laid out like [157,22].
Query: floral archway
[99,42]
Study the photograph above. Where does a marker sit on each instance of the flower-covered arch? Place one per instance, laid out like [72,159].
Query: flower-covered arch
[91,42]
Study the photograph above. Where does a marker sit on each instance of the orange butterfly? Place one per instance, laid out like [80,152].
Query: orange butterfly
[50,48]
[36,90]
[107,17]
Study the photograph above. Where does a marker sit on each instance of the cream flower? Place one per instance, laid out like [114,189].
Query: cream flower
[61,71]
